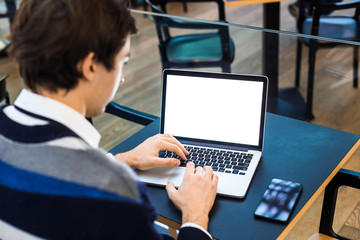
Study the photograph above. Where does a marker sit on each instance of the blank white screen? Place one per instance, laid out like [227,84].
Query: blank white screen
[213,109]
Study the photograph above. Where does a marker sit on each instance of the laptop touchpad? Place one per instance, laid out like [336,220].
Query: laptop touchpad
[157,176]
[177,176]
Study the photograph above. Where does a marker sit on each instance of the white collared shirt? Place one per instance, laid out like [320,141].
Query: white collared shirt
[59,112]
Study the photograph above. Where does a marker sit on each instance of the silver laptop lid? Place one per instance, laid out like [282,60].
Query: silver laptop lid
[214,108]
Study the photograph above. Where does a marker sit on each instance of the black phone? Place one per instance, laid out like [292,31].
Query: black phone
[279,200]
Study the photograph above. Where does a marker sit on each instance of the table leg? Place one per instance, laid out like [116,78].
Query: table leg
[287,102]
[271,20]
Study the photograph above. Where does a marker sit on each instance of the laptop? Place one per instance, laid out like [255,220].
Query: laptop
[220,120]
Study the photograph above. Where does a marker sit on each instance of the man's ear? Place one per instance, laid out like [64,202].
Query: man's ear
[88,67]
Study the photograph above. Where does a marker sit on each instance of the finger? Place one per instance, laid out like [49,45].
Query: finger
[173,140]
[171,162]
[208,173]
[167,135]
[171,190]
[173,148]
[199,170]
[215,179]
[190,167]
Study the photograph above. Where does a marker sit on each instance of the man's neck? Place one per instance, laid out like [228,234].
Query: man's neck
[70,98]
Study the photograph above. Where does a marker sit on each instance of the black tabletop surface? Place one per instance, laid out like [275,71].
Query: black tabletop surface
[293,150]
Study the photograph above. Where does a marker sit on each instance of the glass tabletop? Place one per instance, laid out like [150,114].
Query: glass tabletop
[333,92]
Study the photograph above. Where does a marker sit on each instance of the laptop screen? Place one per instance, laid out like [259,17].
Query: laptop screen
[214,107]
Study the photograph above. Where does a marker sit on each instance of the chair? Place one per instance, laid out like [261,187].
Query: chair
[129,114]
[4,95]
[214,48]
[308,5]
[321,24]
[11,9]
[342,178]
[10,14]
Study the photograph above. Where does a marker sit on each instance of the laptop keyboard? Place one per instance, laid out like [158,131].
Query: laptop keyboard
[219,160]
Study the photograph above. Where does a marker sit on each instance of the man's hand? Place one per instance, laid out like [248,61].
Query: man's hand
[196,195]
[146,155]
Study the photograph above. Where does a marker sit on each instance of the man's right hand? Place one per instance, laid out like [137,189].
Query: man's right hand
[196,195]
[146,155]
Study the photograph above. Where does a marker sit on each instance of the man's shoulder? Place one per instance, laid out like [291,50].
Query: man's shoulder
[58,153]
[25,127]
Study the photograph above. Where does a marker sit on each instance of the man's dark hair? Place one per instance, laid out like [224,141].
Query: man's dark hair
[50,37]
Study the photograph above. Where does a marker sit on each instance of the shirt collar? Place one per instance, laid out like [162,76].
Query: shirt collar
[59,112]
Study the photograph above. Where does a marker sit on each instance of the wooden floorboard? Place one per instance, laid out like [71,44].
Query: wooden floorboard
[351,228]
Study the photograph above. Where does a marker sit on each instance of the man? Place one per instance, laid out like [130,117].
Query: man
[55,182]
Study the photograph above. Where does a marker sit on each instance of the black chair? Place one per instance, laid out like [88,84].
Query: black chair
[4,95]
[324,25]
[308,5]
[11,9]
[130,114]
[10,14]
[342,178]
[213,48]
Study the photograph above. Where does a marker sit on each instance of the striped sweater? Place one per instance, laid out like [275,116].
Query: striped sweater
[54,185]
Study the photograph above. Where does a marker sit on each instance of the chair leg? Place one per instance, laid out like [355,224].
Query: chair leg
[310,89]
[11,9]
[356,67]
[7,98]
[185,7]
[298,63]
[226,67]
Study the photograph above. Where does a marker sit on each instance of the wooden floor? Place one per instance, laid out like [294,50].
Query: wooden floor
[336,103]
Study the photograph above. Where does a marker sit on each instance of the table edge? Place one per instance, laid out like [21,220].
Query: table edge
[304,209]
